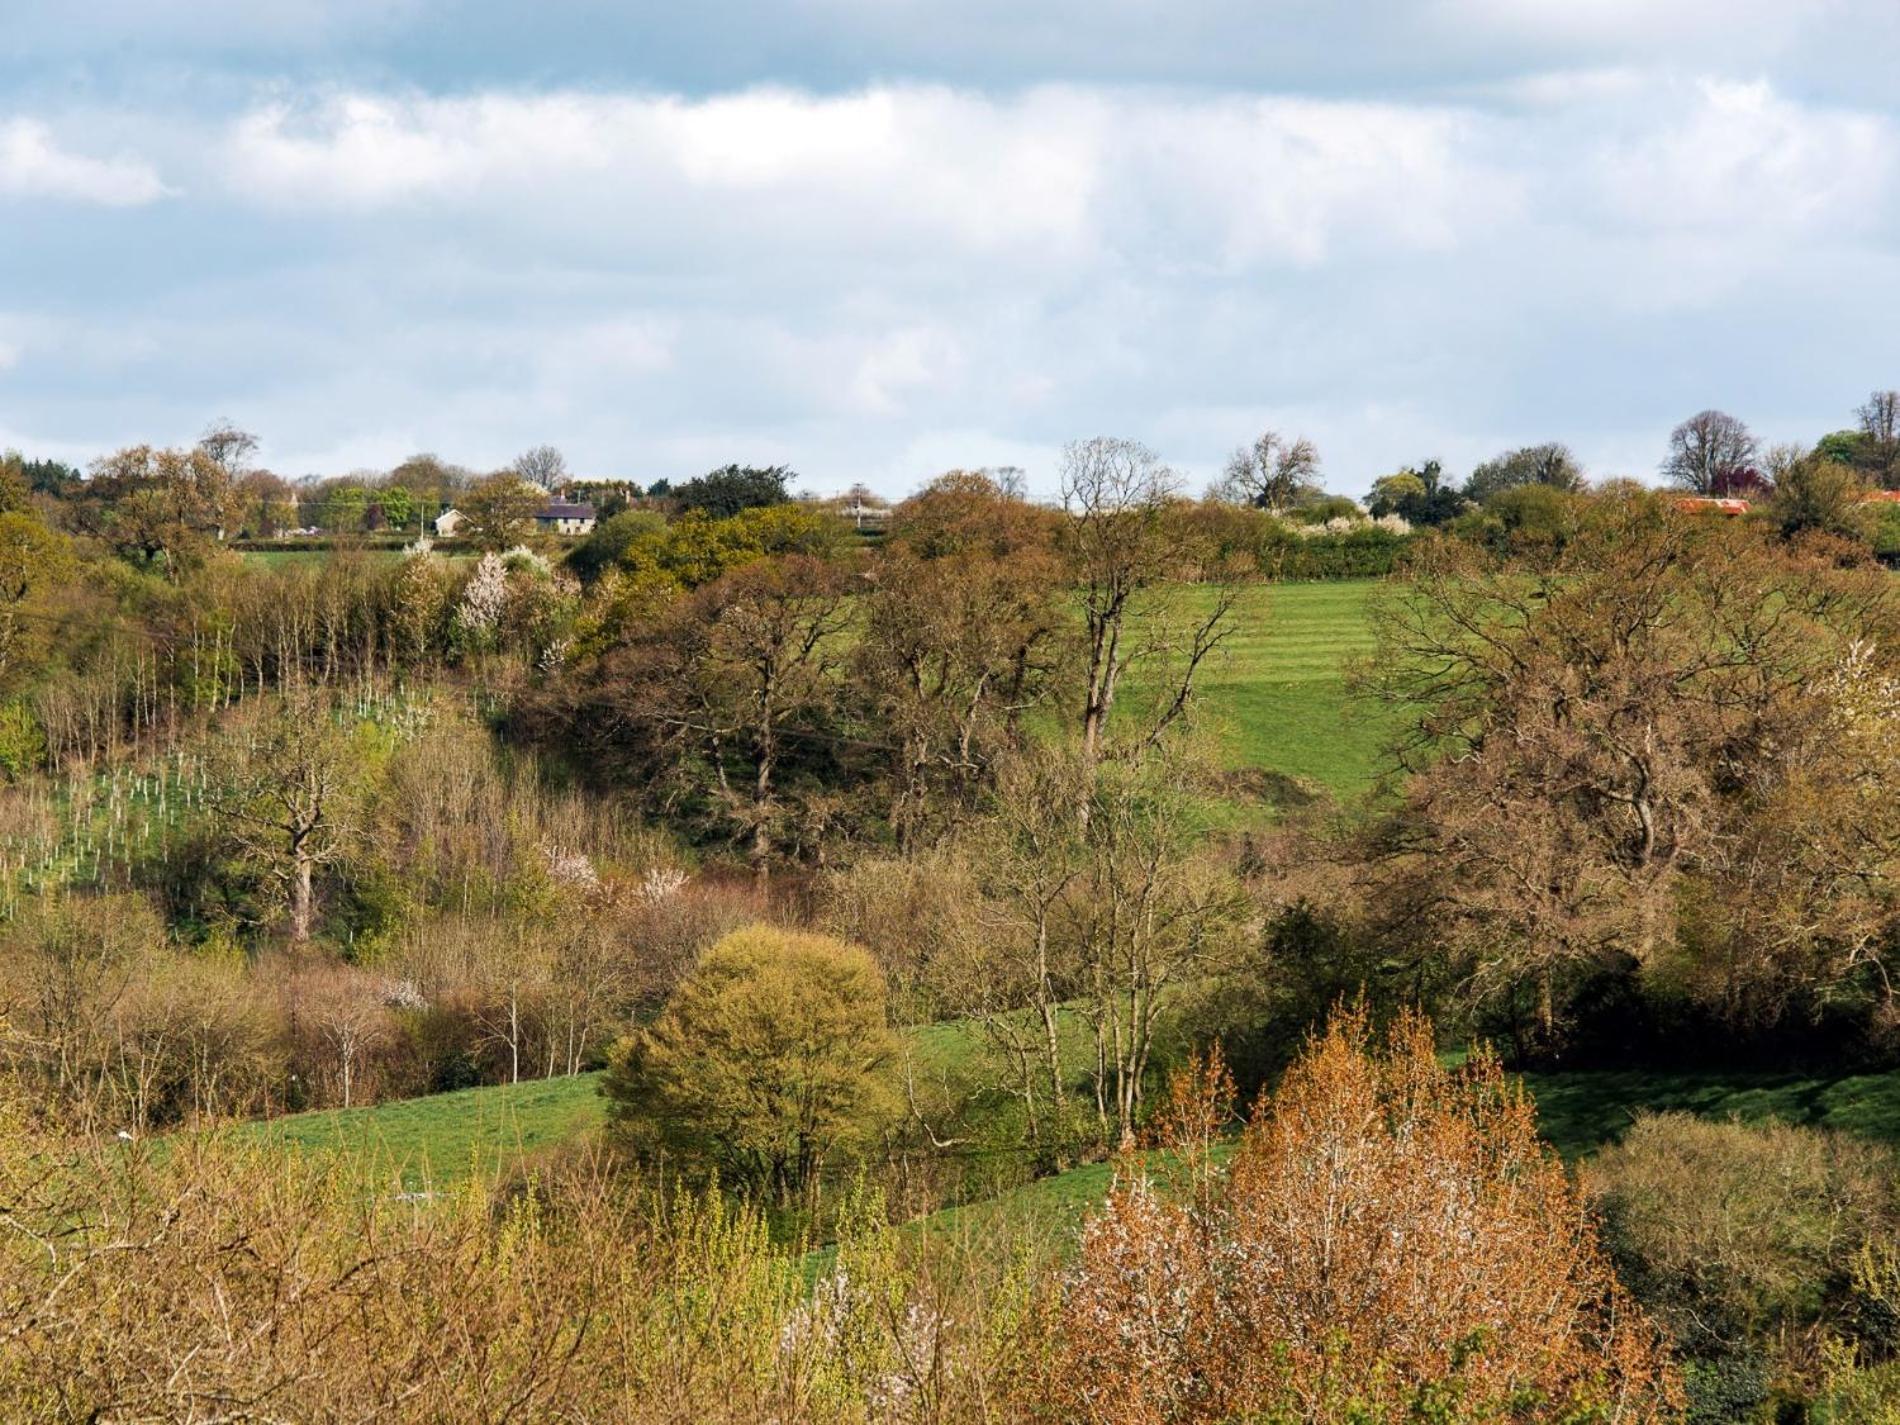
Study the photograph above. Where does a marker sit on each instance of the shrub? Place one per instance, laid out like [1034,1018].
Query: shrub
[1367,552]
[768,1059]
[1393,1242]
[225,1279]
[1755,1245]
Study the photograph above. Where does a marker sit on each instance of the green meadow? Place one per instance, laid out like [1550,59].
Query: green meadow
[1274,697]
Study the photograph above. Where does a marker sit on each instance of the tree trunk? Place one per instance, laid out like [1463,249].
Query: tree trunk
[302,898]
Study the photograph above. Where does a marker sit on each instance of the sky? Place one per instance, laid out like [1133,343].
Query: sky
[879,239]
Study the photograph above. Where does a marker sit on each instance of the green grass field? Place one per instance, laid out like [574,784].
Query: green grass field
[447,1137]
[293,558]
[1275,698]
[438,1141]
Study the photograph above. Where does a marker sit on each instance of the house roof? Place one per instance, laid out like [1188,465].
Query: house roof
[562,510]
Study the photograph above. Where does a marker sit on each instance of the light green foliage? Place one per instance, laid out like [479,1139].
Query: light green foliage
[344,509]
[398,505]
[1390,492]
[1524,518]
[769,1059]
[1753,1245]
[1322,508]
[1743,1227]
[33,558]
[696,549]
[14,486]
[1882,525]
[1818,495]
[22,739]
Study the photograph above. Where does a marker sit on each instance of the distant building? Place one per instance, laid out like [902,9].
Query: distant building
[448,522]
[1710,505]
[562,517]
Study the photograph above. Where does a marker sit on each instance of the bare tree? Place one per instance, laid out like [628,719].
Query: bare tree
[1115,492]
[1709,451]
[1880,424]
[229,447]
[952,652]
[1010,479]
[542,465]
[1152,913]
[759,649]
[284,799]
[1010,967]
[1880,417]
[1122,546]
[1274,473]
[344,1007]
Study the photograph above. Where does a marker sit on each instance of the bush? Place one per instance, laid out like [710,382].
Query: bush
[1746,1241]
[768,1060]
[1525,518]
[1391,1242]
[1369,552]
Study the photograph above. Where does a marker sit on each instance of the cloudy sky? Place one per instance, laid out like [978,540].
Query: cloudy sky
[876,239]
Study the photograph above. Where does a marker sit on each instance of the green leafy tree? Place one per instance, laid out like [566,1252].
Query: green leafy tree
[14,486]
[733,488]
[32,557]
[1550,464]
[398,506]
[1814,494]
[42,477]
[158,507]
[768,1061]
[1418,495]
[345,508]
[611,540]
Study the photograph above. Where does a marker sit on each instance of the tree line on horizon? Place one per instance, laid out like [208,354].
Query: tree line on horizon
[1711,454]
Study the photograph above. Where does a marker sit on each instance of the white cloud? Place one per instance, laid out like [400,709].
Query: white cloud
[884,282]
[33,165]
[1057,172]
[1740,157]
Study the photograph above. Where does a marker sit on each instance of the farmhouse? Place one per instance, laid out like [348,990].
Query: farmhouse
[562,517]
[448,522]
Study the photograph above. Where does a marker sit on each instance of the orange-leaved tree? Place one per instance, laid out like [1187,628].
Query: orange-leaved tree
[1391,1242]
